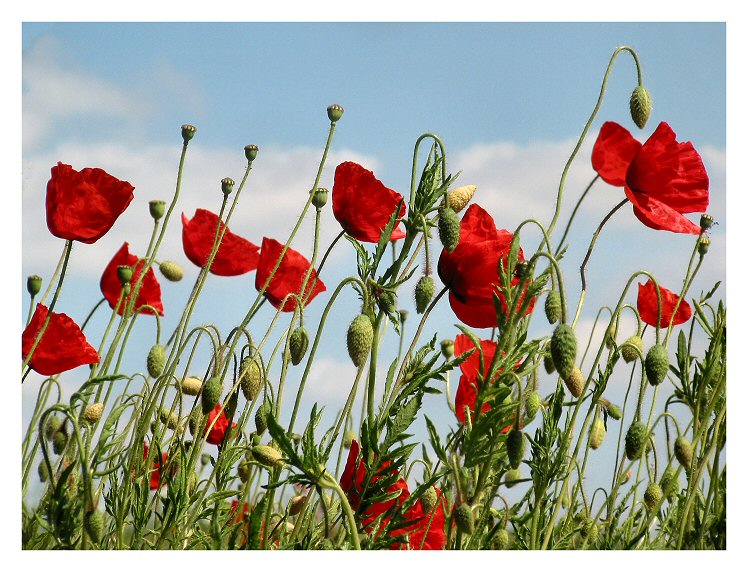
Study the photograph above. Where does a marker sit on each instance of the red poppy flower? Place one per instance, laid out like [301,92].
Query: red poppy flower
[662,178]
[154,479]
[467,390]
[235,256]
[84,205]
[471,271]
[646,303]
[62,347]
[288,278]
[150,290]
[215,435]
[428,532]
[363,205]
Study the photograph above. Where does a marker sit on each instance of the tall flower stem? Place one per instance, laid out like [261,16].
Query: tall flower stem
[574,213]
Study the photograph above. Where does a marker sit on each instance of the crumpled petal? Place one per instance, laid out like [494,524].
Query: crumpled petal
[646,304]
[215,435]
[150,290]
[613,152]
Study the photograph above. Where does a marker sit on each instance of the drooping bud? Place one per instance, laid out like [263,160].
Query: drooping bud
[124,273]
[640,105]
[296,504]
[610,337]
[335,112]
[387,302]
[532,405]
[33,284]
[564,349]
[59,441]
[501,540]
[652,496]
[168,418]
[706,221]
[231,404]
[448,348]
[261,417]
[211,394]
[515,448]
[227,186]
[656,364]
[172,271]
[625,478]
[94,523]
[458,198]
[522,269]
[683,452]
[52,426]
[614,411]
[267,455]
[298,344]
[553,306]
[632,348]
[548,364]
[43,471]
[359,339]
[636,438]
[243,470]
[575,382]
[156,360]
[669,483]
[191,385]
[424,292]
[428,500]
[250,152]
[251,378]
[703,245]
[188,132]
[449,228]
[93,413]
[464,518]
[511,477]
[157,209]
[597,433]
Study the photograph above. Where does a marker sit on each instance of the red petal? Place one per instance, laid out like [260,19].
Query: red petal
[84,205]
[62,347]
[216,434]
[614,150]
[235,256]
[288,278]
[150,289]
[362,204]
[646,303]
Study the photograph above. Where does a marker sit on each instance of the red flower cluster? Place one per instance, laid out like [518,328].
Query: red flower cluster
[646,303]
[84,205]
[467,390]
[471,271]
[235,256]
[428,530]
[363,205]
[62,347]
[155,470]
[288,278]
[215,435]
[150,289]
[662,178]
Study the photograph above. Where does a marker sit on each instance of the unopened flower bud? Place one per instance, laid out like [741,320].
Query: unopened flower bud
[267,455]
[703,245]
[597,433]
[636,438]
[43,471]
[168,418]
[243,470]
[424,292]
[449,228]
[124,273]
[191,385]
[348,438]
[614,411]
[261,417]
[94,523]
[188,132]
[656,364]
[706,221]
[319,199]
[298,344]
[227,186]
[521,270]
[640,106]
[683,452]
[448,348]
[459,198]
[296,504]
[548,364]
[610,337]
[564,349]
[511,477]
[251,378]
[553,306]
[157,209]
[632,348]
[172,271]
[652,496]
[515,447]
[428,500]
[34,284]
[359,339]
[575,382]
[211,394]
[501,540]
[532,405]
[93,413]
[59,441]
[335,112]
[156,360]
[464,518]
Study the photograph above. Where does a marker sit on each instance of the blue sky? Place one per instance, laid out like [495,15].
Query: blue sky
[508,100]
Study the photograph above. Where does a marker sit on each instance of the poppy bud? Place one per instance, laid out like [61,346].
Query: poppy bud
[251,378]
[564,349]
[296,504]
[614,411]
[124,273]
[548,364]
[501,540]
[515,448]
[652,496]
[464,518]
[449,228]
[231,404]
[172,271]
[532,405]
[522,269]
[553,306]
[191,385]
[359,339]
[156,360]
[575,382]
[669,483]
[319,199]
[625,478]
[93,413]
[703,245]
[243,470]
[334,112]
[348,438]
[640,105]
[157,209]
[387,302]
[706,221]
[424,292]
[168,418]
[59,441]
[94,523]
[227,186]
[428,500]
[261,417]
[448,348]
[656,364]
[43,471]
[250,152]
[458,198]
[267,455]
[610,337]
[298,344]
[597,433]
[511,477]
[211,393]
[683,452]
[589,531]
[52,426]
[636,437]
[188,132]
[34,284]
[632,348]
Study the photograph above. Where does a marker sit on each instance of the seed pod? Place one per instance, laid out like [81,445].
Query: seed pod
[33,284]
[683,452]
[636,438]
[459,198]
[501,540]
[359,339]
[172,271]
[656,364]
[424,292]
[251,378]
[515,448]
[428,500]
[267,455]
[449,228]
[334,112]
[553,306]
[448,348]
[156,360]
[652,496]
[564,349]
[191,385]
[532,406]
[632,348]
[575,382]
[93,413]
[464,518]
[319,199]
[94,523]
[597,433]
[211,393]
[640,106]
[298,344]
